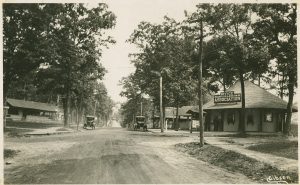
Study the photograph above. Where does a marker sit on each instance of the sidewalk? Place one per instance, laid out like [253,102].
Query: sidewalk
[50,131]
[17,131]
[194,133]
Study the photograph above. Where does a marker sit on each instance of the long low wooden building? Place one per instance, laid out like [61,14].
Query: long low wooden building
[265,112]
[31,111]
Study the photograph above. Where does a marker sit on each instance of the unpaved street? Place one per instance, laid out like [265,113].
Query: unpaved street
[109,155]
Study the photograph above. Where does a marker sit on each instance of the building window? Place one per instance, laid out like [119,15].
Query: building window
[250,119]
[230,118]
[268,117]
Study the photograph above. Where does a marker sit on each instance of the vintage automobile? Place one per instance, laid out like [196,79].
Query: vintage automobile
[90,122]
[140,123]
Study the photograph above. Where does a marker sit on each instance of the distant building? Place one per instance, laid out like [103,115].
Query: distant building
[170,115]
[31,111]
[185,118]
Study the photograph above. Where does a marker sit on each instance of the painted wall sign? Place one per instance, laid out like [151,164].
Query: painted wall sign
[227,97]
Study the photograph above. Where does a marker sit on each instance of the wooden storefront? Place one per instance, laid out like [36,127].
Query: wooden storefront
[264,112]
[256,120]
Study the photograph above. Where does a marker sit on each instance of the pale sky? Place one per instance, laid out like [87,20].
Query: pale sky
[129,14]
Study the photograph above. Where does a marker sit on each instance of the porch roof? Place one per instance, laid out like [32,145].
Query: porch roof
[255,97]
[32,105]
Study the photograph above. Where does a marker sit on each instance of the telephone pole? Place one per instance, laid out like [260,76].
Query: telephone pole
[200,94]
[141,108]
[160,104]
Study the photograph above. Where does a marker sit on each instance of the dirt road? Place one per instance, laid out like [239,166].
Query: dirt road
[110,155]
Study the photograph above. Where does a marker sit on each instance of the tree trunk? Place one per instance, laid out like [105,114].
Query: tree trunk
[191,124]
[71,119]
[176,121]
[106,121]
[98,120]
[133,120]
[242,117]
[77,114]
[6,86]
[287,128]
[66,109]
[24,92]
[153,116]
[282,85]
[224,85]
[65,106]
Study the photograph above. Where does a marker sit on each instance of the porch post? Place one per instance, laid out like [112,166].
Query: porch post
[191,125]
[5,111]
[222,120]
[260,121]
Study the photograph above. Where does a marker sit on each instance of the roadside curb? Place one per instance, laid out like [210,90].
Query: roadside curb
[168,134]
[46,134]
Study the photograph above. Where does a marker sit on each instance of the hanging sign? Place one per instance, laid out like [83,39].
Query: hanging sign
[227,97]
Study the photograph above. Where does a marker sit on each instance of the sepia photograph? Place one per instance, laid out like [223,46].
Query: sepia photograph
[149,92]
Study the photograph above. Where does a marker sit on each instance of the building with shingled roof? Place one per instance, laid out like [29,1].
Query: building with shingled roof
[31,111]
[265,112]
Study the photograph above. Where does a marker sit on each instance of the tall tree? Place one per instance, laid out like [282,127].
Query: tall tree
[25,45]
[58,45]
[217,62]
[167,50]
[152,62]
[232,53]
[277,26]
[77,34]
[132,91]
[234,20]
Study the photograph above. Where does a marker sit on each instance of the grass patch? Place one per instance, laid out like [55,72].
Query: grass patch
[8,153]
[16,132]
[287,149]
[62,129]
[230,141]
[170,135]
[147,133]
[294,130]
[32,125]
[234,162]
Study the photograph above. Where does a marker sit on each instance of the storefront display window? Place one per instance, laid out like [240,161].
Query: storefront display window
[268,117]
[250,119]
[231,118]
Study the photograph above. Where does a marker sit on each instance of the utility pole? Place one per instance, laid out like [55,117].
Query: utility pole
[200,96]
[160,104]
[95,108]
[191,124]
[141,108]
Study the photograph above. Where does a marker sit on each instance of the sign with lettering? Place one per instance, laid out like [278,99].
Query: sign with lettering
[227,97]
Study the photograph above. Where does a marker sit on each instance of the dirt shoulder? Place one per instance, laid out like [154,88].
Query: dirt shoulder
[21,153]
[236,162]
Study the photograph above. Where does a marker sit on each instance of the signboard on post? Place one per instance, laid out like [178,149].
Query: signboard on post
[227,97]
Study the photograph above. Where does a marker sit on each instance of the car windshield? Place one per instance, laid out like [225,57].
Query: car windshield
[140,119]
[90,118]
